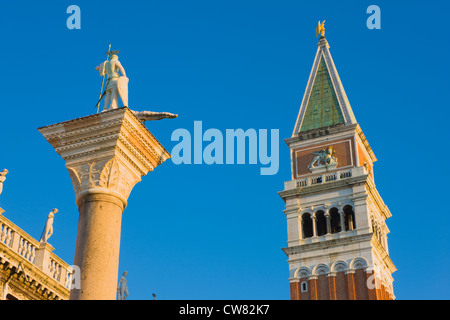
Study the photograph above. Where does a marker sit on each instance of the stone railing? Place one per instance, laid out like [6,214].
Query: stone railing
[17,241]
[39,254]
[324,177]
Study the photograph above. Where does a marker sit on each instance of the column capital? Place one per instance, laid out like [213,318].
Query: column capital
[107,152]
[350,271]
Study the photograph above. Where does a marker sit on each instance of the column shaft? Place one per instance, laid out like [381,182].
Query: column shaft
[327,216]
[300,226]
[314,220]
[341,216]
[97,247]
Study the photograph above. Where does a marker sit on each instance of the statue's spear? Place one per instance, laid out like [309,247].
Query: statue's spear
[102,93]
[103,80]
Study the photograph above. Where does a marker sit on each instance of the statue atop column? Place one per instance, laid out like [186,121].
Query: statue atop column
[106,155]
[122,289]
[48,229]
[3,178]
[117,85]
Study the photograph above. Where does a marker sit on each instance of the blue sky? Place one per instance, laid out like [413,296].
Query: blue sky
[216,232]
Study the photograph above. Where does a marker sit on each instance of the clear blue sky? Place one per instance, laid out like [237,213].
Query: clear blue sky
[216,232]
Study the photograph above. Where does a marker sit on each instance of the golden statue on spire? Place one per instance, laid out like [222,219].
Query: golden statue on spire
[320,29]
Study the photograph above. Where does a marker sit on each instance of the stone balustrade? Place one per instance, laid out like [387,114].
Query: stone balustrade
[38,254]
[325,177]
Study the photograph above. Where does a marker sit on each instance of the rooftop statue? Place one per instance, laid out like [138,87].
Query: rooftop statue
[48,229]
[122,288]
[320,29]
[117,85]
[3,178]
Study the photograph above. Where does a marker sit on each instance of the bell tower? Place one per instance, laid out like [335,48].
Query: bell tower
[337,235]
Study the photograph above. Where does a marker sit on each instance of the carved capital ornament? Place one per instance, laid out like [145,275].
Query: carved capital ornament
[106,152]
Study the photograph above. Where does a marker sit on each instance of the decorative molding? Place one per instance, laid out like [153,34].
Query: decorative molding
[302,272]
[26,281]
[350,271]
[320,269]
[106,152]
[358,263]
[109,174]
[339,266]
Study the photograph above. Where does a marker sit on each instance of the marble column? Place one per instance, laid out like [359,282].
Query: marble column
[106,154]
[327,217]
[300,226]
[314,222]
[342,220]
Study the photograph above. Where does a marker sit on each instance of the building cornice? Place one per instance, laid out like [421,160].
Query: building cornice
[312,135]
[31,279]
[327,244]
[18,250]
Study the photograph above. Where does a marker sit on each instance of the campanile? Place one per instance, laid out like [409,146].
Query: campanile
[336,231]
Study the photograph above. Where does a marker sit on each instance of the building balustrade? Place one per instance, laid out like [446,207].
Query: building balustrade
[39,254]
[323,178]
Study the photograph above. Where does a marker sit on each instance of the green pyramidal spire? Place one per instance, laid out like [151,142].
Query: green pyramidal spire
[323,107]
[325,102]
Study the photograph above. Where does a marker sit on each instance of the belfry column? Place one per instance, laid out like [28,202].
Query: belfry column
[106,154]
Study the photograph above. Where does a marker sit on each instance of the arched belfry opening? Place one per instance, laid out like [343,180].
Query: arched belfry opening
[335,220]
[307,225]
[349,218]
[321,223]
